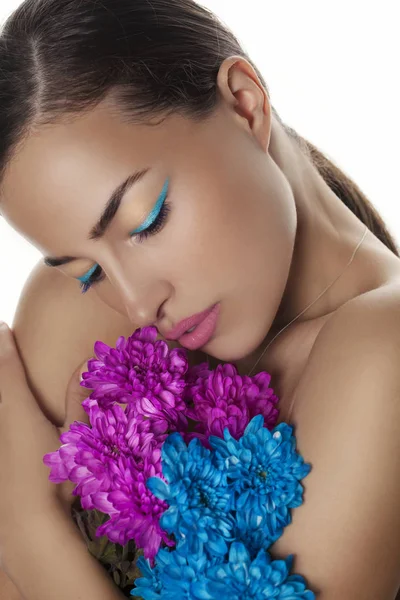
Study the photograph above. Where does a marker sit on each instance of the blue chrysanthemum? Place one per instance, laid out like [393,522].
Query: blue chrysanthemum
[197,493]
[182,576]
[149,585]
[241,578]
[173,577]
[264,470]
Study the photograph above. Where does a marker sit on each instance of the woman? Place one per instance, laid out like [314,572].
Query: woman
[221,208]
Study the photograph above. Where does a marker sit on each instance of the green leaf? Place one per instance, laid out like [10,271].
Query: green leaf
[117,578]
[119,561]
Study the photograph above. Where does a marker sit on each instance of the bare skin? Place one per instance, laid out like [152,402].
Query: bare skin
[241,182]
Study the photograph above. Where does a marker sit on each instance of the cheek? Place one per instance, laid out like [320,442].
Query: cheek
[109,296]
[246,248]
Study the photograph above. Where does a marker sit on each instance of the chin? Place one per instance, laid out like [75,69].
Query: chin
[229,351]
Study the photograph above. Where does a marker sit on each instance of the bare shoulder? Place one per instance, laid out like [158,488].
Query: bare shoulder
[365,329]
[346,535]
[55,327]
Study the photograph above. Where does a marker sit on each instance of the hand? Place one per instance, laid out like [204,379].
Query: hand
[26,435]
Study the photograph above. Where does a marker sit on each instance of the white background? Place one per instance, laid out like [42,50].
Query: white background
[333,74]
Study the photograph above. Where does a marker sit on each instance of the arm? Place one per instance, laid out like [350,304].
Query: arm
[40,549]
[47,559]
[55,330]
[346,535]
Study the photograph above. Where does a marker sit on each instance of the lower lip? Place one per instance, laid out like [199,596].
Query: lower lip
[203,331]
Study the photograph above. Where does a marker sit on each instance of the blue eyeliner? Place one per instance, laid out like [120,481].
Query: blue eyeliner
[145,225]
[156,210]
[88,275]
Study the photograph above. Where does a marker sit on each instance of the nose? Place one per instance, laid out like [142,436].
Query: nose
[144,305]
[141,317]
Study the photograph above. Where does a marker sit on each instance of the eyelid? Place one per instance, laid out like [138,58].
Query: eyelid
[155,211]
[87,275]
[146,223]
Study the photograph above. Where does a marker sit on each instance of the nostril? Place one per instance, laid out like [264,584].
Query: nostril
[161,312]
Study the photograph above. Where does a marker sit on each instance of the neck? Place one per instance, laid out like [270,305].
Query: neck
[326,236]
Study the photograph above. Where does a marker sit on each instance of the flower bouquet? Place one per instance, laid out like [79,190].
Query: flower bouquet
[183,474]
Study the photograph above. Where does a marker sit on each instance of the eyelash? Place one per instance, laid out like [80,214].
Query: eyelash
[154,228]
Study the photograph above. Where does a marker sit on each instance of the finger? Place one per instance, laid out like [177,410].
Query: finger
[74,397]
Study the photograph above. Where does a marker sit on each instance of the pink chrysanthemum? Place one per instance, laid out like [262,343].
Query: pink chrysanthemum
[92,456]
[134,511]
[110,462]
[142,371]
[223,398]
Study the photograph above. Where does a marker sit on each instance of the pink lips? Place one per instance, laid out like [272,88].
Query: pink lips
[204,323]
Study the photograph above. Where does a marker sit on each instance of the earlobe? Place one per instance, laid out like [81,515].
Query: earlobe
[242,90]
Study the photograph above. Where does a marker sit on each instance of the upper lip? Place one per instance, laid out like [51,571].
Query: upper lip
[181,327]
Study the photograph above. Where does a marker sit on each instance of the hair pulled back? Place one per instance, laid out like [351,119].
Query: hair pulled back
[154,58]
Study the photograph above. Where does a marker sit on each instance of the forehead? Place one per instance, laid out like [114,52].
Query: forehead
[63,169]
[50,153]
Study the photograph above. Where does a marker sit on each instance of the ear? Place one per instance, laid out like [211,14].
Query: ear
[242,91]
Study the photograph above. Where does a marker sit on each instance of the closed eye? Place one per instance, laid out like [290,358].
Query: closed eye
[153,223]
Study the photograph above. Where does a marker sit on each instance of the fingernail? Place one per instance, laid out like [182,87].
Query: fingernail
[3,325]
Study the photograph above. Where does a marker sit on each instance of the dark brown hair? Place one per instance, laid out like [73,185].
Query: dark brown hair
[61,57]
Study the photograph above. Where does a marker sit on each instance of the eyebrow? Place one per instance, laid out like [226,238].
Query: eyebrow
[108,214]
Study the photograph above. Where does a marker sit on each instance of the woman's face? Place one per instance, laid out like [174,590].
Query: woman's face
[230,221]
